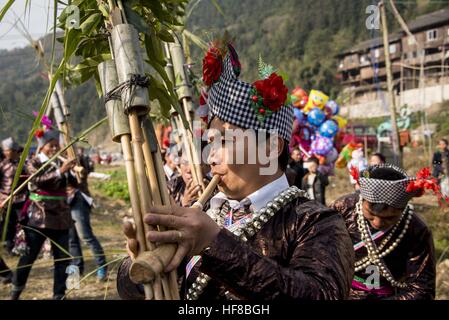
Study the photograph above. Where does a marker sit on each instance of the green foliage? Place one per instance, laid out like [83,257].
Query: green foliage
[301,38]
[265,70]
[115,188]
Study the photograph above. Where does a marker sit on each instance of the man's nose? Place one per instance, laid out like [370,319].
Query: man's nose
[211,158]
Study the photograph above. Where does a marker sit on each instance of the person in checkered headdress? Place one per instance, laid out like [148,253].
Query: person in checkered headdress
[255,241]
[393,246]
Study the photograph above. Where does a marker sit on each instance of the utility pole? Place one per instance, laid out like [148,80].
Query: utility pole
[392,103]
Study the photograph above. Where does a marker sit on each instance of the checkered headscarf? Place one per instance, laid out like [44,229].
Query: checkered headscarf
[392,193]
[230,100]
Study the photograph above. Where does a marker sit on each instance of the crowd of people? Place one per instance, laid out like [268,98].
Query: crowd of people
[273,236]
[55,205]
[260,236]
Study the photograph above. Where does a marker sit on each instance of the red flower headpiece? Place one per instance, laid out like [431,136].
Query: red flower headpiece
[212,65]
[354,171]
[39,133]
[46,125]
[269,94]
[424,182]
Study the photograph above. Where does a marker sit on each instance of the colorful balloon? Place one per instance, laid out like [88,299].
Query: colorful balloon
[328,129]
[304,134]
[331,104]
[322,146]
[300,116]
[326,169]
[316,117]
[342,122]
[299,97]
[328,113]
[331,156]
[317,99]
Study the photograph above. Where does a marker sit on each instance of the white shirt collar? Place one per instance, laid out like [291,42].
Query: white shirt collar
[168,171]
[258,198]
[42,157]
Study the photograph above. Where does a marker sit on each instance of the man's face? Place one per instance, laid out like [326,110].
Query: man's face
[313,167]
[442,145]
[234,158]
[50,148]
[186,172]
[296,155]
[381,220]
[375,160]
[170,159]
[11,154]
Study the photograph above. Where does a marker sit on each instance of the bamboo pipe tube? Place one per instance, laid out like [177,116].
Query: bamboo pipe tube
[119,127]
[156,176]
[175,54]
[196,160]
[61,112]
[149,136]
[184,92]
[135,204]
[151,263]
[156,195]
[77,168]
[188,151]
[129,62]
[142,183]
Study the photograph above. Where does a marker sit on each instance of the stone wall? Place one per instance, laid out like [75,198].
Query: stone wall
[416,99]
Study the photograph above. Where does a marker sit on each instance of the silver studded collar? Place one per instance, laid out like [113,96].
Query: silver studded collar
[247,230]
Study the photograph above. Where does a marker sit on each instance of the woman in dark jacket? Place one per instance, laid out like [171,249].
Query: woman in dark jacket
[47,215]
[314,182]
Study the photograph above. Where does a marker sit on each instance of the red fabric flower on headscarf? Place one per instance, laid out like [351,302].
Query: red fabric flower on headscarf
[212,65]
[424,182]
[39,133]
[273,91]
[354,171]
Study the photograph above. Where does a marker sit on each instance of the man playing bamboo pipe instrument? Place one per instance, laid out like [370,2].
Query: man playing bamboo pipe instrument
[182,188]
[261,239]
[46,214]
[393,246]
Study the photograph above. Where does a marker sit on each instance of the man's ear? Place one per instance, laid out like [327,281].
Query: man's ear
[275,146]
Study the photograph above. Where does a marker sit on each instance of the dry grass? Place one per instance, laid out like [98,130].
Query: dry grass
[106,224]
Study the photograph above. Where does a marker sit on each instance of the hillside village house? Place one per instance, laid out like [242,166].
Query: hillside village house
[362,70]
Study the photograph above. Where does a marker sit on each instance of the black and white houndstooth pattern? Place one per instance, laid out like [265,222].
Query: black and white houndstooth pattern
[230,100]
[392,193]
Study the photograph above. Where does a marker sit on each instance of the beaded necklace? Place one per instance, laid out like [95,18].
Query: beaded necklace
[375,253]
[247,230]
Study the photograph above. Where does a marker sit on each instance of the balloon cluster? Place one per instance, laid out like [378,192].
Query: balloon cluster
[316,126]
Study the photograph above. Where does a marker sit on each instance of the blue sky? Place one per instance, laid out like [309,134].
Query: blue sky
[38,21]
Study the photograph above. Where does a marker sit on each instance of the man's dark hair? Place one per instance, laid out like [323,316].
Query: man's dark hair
[445,141]
[284,157]
[314,160]
[383,174]
[380,156]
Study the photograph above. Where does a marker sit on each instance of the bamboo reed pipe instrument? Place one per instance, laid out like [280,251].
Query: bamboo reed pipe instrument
[176,69]
[61,114]
[60,108]
[77,169]
[146,170]
[151,263]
